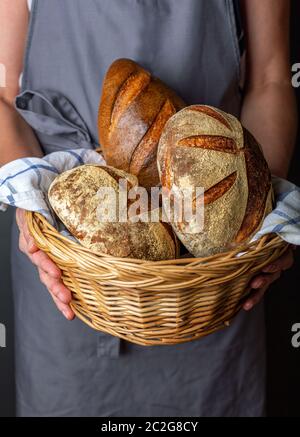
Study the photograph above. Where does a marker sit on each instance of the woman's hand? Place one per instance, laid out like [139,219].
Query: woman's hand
[50,275]
[269,274]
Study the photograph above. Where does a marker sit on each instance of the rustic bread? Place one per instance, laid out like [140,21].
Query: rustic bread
[204,147]
[133,111]
[73,197]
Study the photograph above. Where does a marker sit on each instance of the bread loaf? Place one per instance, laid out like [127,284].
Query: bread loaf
[73,196]
[133,111]
[204,147]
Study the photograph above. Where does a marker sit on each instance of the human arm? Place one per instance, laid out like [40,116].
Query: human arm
[18,140]
[269,106]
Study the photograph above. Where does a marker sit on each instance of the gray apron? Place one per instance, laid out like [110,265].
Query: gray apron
[65,368]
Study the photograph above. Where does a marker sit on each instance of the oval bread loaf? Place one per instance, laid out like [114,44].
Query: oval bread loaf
[74,197]
[204,147]
[133,111]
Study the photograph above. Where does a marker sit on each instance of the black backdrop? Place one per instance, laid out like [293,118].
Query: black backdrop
[283,302]
[282,310]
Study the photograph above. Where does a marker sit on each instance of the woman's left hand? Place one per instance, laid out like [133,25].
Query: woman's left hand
[269,274]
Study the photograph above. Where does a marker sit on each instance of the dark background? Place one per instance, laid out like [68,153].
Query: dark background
[283,302]
[282,309]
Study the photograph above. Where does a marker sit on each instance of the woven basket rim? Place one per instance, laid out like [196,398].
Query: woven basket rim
[244,249]
[155,302]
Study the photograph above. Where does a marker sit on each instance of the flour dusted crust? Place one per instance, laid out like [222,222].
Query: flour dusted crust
[202,146]
[73,197]
[134,109]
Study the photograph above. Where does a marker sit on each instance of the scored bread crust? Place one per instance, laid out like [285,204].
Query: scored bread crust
[73,197]
[204,147]
[133,111]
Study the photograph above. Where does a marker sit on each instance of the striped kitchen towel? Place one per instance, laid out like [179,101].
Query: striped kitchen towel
[24,184]
[284,220]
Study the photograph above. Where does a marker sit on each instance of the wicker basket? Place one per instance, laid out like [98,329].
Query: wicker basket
[154,303]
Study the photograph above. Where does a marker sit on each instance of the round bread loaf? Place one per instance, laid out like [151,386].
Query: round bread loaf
[204,147]
[133,111]
[74,196]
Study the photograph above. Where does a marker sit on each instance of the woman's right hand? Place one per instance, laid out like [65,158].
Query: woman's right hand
[50,274]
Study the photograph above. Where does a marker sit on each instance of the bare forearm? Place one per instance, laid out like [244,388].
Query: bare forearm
[17,138]
[270,113]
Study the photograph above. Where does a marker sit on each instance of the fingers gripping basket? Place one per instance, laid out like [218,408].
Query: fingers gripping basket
[152,303]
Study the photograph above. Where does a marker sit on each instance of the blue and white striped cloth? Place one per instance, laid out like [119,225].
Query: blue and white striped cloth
[24,184]
[284,220]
